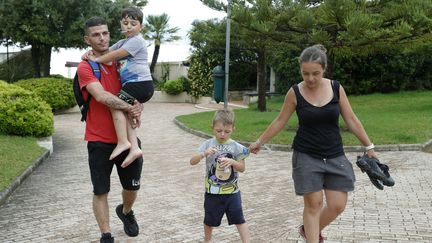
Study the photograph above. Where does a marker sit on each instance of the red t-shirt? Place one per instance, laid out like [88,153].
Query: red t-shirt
[99,124]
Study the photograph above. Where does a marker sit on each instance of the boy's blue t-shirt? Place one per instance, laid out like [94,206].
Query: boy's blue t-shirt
[134,67]
[219,180]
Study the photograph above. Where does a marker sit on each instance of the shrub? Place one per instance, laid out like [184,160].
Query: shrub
[173,87]
[23,113]
[57,92]
[200,75]
[186,84]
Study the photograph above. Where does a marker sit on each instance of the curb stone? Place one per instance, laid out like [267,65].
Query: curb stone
[427,147]
[192,131]
[7,192]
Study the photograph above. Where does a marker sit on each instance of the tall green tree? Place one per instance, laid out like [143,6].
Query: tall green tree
[363,27]
[47,25]
[157,29]
[262,23]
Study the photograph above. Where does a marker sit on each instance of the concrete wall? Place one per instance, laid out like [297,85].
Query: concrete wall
[161,96]
[175,69]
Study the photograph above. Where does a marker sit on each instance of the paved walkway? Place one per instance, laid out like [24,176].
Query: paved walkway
[54,203]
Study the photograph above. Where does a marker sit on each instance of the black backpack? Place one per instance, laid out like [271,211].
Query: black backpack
[82,103]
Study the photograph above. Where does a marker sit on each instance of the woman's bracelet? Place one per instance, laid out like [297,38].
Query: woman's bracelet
[369,147]
[258,142]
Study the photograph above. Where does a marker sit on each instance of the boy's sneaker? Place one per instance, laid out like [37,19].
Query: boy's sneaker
[106,238]
[303,234]
[129,222]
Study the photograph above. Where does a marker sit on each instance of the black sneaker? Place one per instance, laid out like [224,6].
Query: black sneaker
[106,238]
[371,167]
[377,183]
[377,172]
[129,222]
[389,180]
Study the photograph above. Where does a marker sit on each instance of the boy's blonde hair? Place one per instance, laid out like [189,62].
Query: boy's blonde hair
[226,117]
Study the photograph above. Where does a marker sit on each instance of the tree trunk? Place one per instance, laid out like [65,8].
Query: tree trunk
[154,59]
[35,54]
[261,74]
[41,59]
[46,60]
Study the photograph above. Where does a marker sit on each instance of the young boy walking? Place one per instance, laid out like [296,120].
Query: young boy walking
[224,158]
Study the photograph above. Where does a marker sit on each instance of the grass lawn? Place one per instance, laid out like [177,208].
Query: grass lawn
[16,154]
[397,118]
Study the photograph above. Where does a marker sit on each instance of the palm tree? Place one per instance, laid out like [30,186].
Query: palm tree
[158,30]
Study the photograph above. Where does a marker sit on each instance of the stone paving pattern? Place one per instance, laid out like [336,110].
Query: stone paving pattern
[54,203]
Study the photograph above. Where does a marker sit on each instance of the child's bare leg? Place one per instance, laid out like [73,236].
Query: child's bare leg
[120,125]
[208,234]
[244,232]
[135,152]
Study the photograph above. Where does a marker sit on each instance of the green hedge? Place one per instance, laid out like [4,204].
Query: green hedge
[173,87]
[23,113]
[56,91]
[391,70]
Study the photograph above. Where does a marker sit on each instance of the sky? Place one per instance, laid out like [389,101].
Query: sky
[181,12]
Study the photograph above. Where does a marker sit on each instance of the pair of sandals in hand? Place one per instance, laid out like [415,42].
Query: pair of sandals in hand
[377,172]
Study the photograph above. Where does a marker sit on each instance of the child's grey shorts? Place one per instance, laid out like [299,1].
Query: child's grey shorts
[311,174]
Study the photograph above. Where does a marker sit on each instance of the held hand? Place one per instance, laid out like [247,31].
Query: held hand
[372,154]
[254,148]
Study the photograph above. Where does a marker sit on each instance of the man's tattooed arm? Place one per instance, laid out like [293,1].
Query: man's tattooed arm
[106,98]
[116,103]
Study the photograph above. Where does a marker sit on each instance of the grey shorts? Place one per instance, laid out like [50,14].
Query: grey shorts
[311,174]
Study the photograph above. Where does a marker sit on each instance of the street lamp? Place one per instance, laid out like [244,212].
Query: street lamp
[227,53]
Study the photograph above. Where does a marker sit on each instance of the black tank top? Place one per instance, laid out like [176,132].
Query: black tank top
[318,133]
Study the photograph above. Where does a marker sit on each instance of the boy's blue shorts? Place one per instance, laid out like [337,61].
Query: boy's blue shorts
[215,206]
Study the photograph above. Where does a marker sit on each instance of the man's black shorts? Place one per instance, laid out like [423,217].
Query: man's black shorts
[101,168]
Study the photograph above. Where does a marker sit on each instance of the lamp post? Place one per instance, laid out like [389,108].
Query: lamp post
[227,53]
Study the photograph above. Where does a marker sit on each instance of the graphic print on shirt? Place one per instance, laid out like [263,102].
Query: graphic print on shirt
[222,174]
[223,180]
[123,68]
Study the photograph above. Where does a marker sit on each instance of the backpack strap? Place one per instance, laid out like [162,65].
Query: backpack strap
[96,69]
